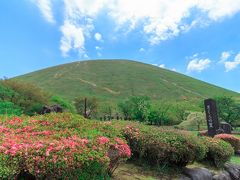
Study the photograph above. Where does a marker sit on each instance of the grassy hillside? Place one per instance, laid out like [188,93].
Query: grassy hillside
[117,79]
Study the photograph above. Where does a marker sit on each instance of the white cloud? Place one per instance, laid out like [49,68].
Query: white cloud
[98,48]
[230,65]
[159,65]
[162,66]
[45,7]
[224,56]
[72,39]
[159,20]
[98,36]
[74,33]
[141,50]
[198,64]
[174,69]
[163,19]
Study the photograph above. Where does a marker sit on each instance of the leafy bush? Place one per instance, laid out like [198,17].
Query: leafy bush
[59,146]
[234,141]
[164,147]
[203,133]
[218,152]
[8,108]
[195,122]
[27,96]
[67,106]
[228,109]
[136,107]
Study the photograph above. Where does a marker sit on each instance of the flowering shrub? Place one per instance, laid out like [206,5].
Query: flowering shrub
[117,153]
[161,147]
[59,146]
[203,133]
[234,141]
[218,152]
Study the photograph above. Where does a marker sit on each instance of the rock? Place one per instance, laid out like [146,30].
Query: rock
[237,153]
[222,176]
[48,109]
[198,173]
[233,170]
[183,177]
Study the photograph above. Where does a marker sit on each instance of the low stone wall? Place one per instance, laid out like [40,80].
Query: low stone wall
[230,172]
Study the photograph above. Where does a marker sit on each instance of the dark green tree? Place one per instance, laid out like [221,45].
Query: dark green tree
[228,109]
[136,107]
[159,114]
[8,108]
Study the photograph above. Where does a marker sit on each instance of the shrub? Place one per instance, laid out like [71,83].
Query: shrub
[195,122]
[203,133]
[164,147]
[234,141]
[67,106]
[218,152]
[25,95]
[8,108]
[59,146]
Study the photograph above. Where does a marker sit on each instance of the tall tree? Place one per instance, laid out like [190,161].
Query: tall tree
[228,109]
[91,106]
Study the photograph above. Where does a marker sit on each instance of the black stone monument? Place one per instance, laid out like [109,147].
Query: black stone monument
[211,116]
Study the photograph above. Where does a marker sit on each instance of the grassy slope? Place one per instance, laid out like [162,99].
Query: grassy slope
[119,79]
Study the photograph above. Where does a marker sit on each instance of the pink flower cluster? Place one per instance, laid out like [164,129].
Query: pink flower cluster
[103,140]
[38,146]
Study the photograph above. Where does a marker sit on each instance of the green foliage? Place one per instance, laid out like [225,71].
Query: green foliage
[194,122]
[67,106]
[228,109]
[125,108]
[231,139]
[27,96]
[143,109]
[136,108]
[159,115]
[59,146]
[8,108]
[159,147]
[218,152]
[6,93]
[113,81]
[180,112]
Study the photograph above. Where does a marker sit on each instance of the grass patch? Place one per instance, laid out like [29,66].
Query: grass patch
[235,160]
[115,80]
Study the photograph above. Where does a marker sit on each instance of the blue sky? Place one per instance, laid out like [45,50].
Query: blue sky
[198,38]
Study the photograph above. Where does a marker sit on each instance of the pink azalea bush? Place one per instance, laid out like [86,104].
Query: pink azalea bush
[219,151]
[163,147]
[231,139]
[54,146]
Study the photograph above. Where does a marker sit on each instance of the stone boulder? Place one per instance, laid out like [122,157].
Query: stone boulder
[198,173]
[222,176]
[233,170]
[50,109]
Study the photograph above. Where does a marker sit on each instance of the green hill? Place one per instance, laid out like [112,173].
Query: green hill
[114,80]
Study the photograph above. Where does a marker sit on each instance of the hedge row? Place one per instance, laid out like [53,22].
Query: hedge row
[159,147]
[59,146]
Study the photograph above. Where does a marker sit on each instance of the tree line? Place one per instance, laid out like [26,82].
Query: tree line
[18,98]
